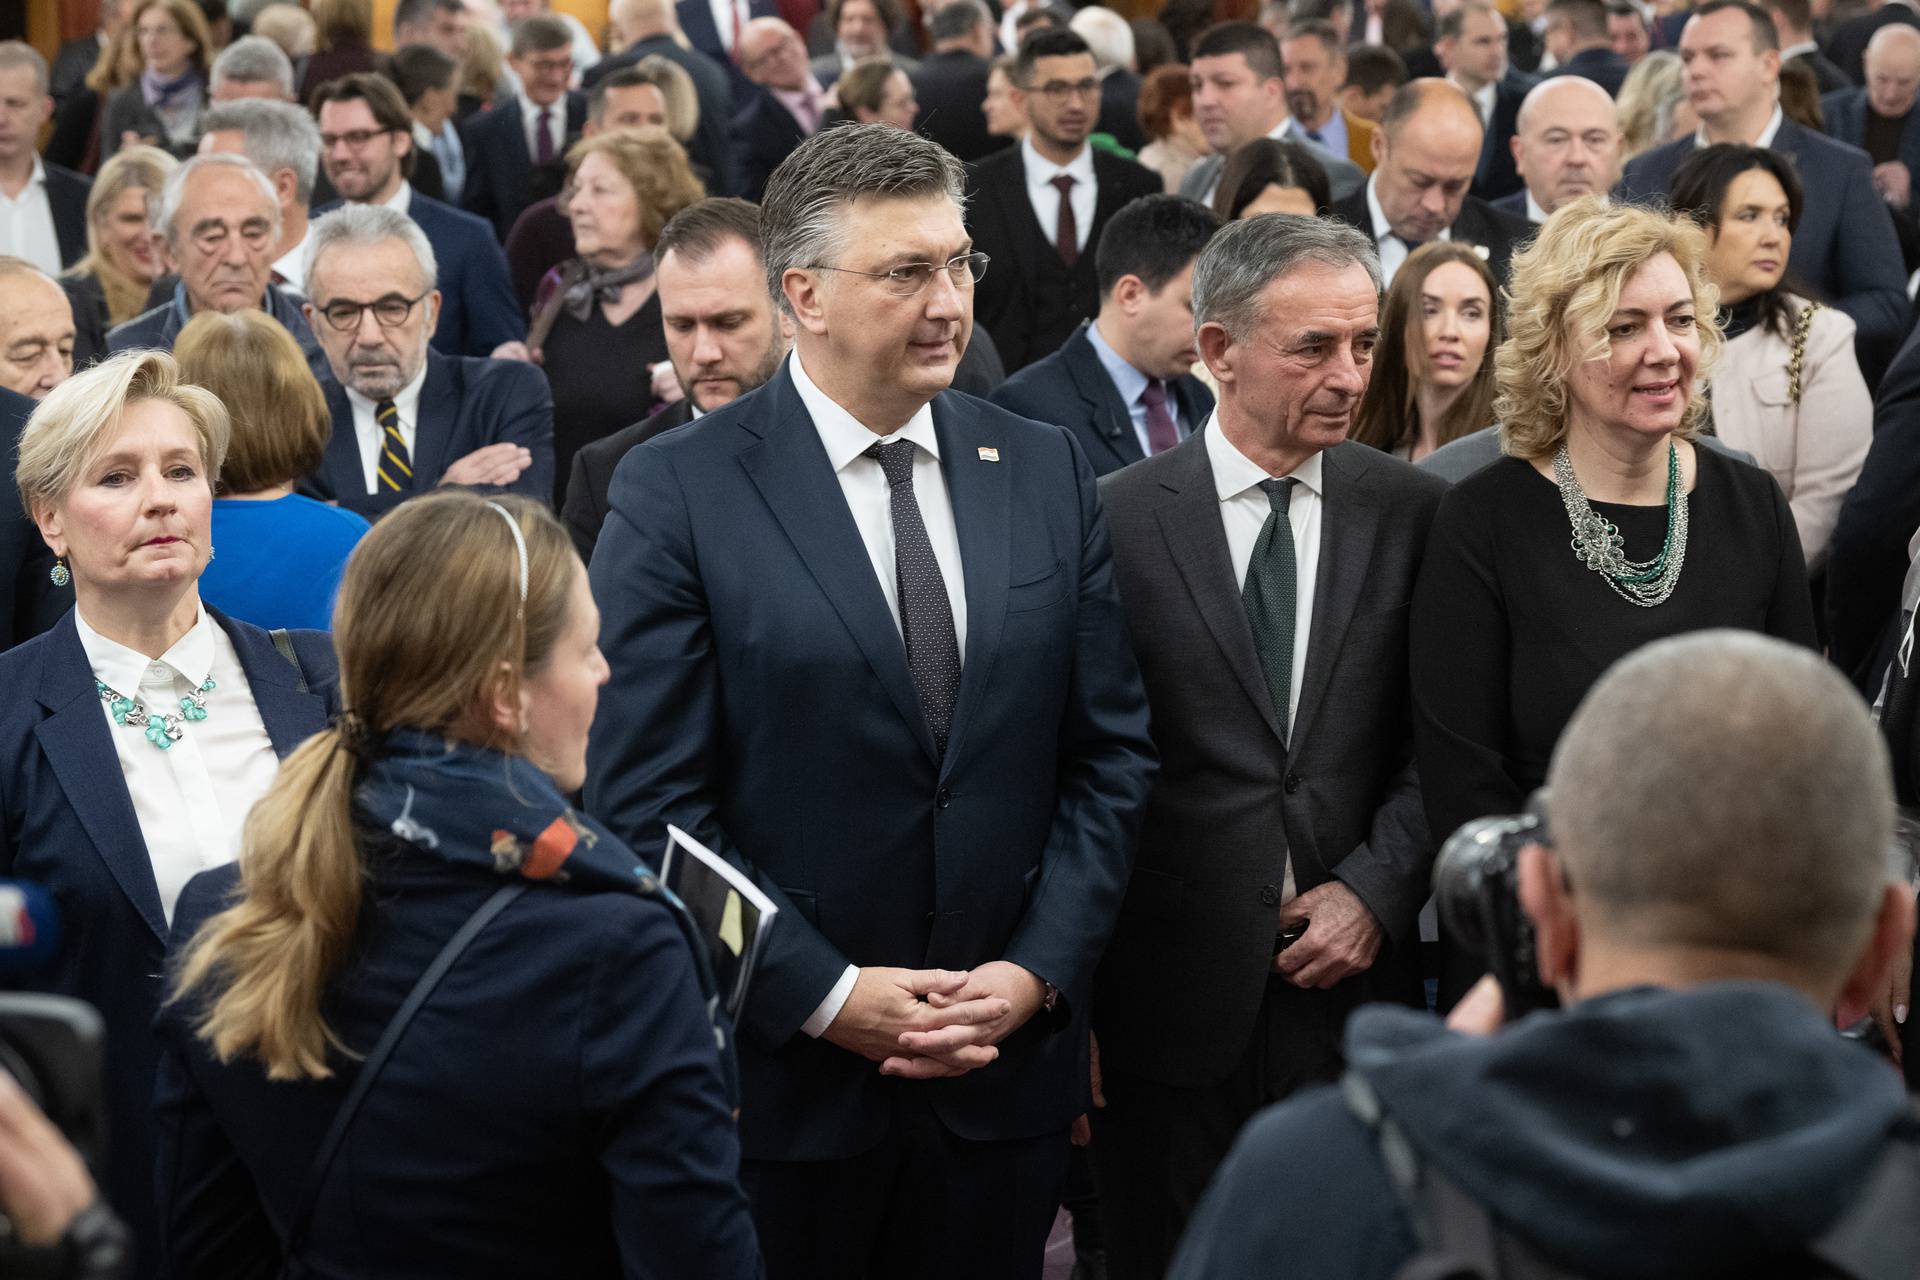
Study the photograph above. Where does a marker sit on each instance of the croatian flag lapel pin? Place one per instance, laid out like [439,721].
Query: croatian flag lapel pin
[989,455]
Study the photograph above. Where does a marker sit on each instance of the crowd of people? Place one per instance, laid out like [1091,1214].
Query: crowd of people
[1078,505]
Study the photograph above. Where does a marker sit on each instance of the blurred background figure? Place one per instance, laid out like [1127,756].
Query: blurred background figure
[36,330]
[125,255]
[952,79]
[876,91]
[1174,140]
[1433,370]
[1264,176]
[1004,119]
[1652,104]
[1373,73]
[162,106]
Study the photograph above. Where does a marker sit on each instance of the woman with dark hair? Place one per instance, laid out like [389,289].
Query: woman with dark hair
[875,91]
[1264,176]
[1788,389]
[1432,379]
[1174,141]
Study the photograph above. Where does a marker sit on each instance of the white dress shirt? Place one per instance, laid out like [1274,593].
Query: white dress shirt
[1766,135]
[26,223]
[556,124]
[1535,214]
[725,13]
[1045,197]
[292,266]
[191,799]
[401,201]
[846,441]
[368,433]
[1483,99]
[1244,509]
[1393,250]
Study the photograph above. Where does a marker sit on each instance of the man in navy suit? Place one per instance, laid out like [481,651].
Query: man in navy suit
[715,28]
[516,152]
[1846,246]
[405,417]
[1567,146]
[1880,119]
[866,644]
[366,137]
[783,102]
[642,28]
[1121,383]
[1473,49]
[1577,37]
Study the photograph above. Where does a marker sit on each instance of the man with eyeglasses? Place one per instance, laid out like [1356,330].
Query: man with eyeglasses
[407,418]
[1038,209]
[783,106]
[367,150]
[516,151]
[220,219]
[865,644]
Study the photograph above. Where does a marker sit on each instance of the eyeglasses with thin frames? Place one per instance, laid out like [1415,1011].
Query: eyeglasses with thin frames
[391,311]
[909,278]
[1057,92]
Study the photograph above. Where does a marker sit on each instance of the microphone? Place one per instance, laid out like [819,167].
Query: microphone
[29,926]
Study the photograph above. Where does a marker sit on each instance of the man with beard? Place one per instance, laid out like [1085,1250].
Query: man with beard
[405,417]
[1314,67]
[723,338]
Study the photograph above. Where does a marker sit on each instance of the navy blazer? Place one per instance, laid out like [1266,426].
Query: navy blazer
[478,311]
[1846,115]
[465,404]
[696,24]
[761,700]
[1602,66]
[1072,389]
[67,822]
[1845,247]
[764,134]
[557,1108]
[1496,175]
[1514,206]
[67,200]
[501,176]
[1867,558]
[159,326]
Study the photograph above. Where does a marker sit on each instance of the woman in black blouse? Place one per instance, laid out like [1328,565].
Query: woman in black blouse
[596,320]
[1528,592]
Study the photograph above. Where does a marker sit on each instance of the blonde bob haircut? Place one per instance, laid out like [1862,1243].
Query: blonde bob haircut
[280,419]
[1564,288]
[77,421]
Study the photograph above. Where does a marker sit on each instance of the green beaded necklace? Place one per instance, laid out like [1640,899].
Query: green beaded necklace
[165,731]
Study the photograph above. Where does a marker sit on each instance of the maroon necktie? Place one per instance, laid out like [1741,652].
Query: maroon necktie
[543,138]
[1162,432]
[1066,232]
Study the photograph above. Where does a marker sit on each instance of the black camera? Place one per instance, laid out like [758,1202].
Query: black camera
[1476,889]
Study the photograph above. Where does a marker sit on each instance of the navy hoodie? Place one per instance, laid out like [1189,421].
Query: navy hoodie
[1644,1133]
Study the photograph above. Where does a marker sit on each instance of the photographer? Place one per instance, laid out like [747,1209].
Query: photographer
[1713,883]
[55,1224]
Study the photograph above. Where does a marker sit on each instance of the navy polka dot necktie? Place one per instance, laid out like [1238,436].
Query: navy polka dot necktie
[926,615]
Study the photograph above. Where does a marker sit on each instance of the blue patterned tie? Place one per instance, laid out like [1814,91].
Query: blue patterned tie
[926,615]
[1269,595]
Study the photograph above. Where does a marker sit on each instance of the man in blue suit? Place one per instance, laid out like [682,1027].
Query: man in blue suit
[366,145]
[1121,382]
[516,151]
[1846,246]
[405,417]
[866,644]
[714,27]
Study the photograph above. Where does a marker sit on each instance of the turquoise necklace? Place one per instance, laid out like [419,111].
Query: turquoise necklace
[165,731]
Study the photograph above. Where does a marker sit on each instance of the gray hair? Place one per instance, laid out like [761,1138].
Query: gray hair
[274,136]
[957,18]
[363,226]
[15,54]
[800,215]
[1246,256]
[253,60]
[1107,35]
[176,189]
[1726,790]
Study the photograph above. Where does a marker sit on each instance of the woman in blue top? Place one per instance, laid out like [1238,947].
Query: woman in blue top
[284,552]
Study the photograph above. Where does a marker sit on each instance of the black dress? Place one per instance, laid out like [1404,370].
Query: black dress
[601,378]
[1509,630]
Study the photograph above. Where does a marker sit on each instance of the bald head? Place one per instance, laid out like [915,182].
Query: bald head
[36,330]
[1893,69]
[772,54]
[1425,152]
[1567,144]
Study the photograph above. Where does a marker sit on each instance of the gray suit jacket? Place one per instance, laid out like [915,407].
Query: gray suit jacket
[1456,461]
[1344,175]
[1182,981]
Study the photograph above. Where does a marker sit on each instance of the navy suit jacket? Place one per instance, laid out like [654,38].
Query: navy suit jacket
[1846,115]
[159,326]
[1845,248]
[696,24]
[762,701]
[1496,174]
[465,404]
[1602,66]
[1867,559]
[501,176]
[764,134]
[1072,389]
[67,822]
[1514,206]
[478,311]
[711,85]
[29,603]
[67,199]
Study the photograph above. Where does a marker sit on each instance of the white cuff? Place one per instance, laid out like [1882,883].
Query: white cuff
[816,1026]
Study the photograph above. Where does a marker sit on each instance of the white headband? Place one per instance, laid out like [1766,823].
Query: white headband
[520,544]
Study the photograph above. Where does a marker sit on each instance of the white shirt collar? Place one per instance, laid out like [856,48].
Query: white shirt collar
[401,201]
[1535,213]
[844,435]
[1766,135]
[293,263]
[1795,50]
[121,669]
[1285,129]
[406,401]
[1041,171]
[1383,228]
[1234,472]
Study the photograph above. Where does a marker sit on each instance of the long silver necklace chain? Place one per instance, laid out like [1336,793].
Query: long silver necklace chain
[1597,543]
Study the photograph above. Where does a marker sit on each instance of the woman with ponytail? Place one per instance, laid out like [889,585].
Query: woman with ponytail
[436,1021]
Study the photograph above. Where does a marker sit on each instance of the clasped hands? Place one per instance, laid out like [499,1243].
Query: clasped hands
[932,1024]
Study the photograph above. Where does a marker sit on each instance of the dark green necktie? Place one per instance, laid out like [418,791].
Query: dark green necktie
[1273,581]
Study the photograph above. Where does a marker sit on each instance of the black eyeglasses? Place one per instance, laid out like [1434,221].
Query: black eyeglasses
[910,278]
[391,311]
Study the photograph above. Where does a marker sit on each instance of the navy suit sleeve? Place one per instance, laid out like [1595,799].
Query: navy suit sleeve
[1868,274]
[1106,766]
[527,419]
[491,311]
[651,757]
[1867,558]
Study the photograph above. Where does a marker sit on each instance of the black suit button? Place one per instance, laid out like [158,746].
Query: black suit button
[1270,895]
[1292,783]
[943,799]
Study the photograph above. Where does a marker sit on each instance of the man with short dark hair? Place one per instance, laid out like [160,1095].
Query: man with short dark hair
[861,29]
[428,82]
[952,79]
[1793,21]
[1313,67]
[1121,383]
[865,644]
[1373,73]
[1690,1109]
[1473,50]
[1627,31]
[516,152]
[441,24]
[641,29]
[1037,210]
[1577,37]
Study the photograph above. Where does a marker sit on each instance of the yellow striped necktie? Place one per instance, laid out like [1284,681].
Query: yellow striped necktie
[396,468]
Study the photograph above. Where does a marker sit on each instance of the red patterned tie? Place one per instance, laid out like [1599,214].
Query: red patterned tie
[1066,232]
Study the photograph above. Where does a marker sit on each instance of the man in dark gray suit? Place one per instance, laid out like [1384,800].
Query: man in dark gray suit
[1265,566]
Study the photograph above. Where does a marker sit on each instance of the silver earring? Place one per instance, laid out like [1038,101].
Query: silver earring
[59,575]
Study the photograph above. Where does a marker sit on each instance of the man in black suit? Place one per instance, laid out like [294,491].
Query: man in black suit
[951,81]
[1793,23]
[723,335]
[1426,150]
[1473,49]
[1847,46]
[641,28]
[865,645]
[714,28]
[1568,146]
[407,419]
[784,104]
[1845,246]
[1265,566]
[1880,119]
[1577,37]
[516,152]
[1037,210]
[1121,383]
[43,208]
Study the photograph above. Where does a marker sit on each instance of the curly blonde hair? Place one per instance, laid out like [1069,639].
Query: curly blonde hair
[1564,287]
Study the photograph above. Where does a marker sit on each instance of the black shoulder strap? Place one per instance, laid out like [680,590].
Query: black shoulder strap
[370,1069]
[284,643]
